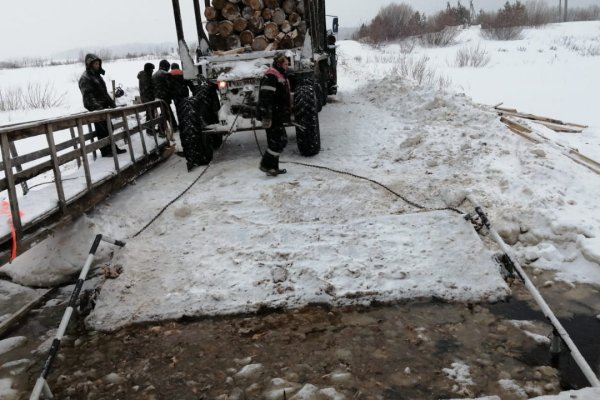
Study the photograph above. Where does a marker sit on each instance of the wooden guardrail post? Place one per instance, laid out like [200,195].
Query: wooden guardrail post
[10,187]
[72,131]
[56,166]
[90,130]
[82,147]
[113,145]
[159,126]
[128,136]
[141,128]
[18,167]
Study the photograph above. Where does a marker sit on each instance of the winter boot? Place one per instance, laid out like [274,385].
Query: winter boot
[270,164]
[279,170]
[106,151]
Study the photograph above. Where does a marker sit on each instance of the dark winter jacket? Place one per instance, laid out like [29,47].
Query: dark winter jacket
[93,88]
[162,85]
[179,86]
[146,86]
[274,98]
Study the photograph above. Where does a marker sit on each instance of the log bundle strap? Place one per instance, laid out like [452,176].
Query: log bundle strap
[260,24]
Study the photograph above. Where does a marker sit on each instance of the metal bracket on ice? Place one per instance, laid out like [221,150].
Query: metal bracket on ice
[41,385]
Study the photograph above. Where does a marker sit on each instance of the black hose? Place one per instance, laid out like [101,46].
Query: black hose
[420,207]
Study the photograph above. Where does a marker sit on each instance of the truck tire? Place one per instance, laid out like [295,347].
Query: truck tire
[324,91]
[319,95]
[208,102]
[308,135]
[196,143]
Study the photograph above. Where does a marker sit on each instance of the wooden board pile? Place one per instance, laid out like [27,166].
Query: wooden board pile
[510,116]
[260,24]
[554,124]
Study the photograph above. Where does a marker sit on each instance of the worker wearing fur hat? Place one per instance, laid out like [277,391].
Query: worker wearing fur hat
[96,97]
[274,110]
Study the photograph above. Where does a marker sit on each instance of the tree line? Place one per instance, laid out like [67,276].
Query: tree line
[398,21]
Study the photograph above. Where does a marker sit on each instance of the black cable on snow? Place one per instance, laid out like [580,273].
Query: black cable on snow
[172,201]
[190,186]
[412,203]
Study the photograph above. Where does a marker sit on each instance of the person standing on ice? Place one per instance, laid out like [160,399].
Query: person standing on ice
[274,110]
[96,97]
[147,92]
[162,89]
[179,88]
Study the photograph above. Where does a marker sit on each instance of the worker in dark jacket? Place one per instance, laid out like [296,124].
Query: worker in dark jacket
[274,110]
[180,89]
[147,92]
[162,89]
[96,97]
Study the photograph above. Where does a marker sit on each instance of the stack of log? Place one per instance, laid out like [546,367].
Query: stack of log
[260,24]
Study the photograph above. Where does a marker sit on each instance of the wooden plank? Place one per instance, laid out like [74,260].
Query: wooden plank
[551,125]
[26,158]
[584,160]
[558,127]
[56,166]
[43,167]
[581,160]
[513,110]
[37,128]
[570,153]
[518,128]
[86,163]
[515,113]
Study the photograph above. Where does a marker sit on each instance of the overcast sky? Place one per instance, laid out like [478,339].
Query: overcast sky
[42,27]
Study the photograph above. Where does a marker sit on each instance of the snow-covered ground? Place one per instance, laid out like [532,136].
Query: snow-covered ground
[239,241]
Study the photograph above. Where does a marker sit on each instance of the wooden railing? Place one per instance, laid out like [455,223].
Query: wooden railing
[65,141]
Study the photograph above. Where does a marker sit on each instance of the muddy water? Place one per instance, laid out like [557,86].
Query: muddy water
[385,352]
[577,308]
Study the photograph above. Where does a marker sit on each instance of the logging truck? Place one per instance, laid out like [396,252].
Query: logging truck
[237,40]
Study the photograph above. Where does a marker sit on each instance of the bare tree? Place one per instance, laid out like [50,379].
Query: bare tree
[538,13]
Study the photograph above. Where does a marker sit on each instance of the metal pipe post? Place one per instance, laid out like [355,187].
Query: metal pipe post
[558,328]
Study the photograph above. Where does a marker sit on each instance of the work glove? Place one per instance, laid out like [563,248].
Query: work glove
[266,123]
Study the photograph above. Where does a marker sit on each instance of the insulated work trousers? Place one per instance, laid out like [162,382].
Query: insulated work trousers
[178,101]
[101,133]
[276,138]
[171,117]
